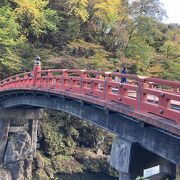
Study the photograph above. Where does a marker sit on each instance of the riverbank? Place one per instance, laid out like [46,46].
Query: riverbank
[69,145]
[85,176]
[82,161]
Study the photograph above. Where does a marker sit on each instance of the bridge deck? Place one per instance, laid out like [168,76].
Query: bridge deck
[144,118]
[152,101]
[149,118]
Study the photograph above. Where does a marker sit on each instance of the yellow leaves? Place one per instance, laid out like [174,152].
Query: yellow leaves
[79,8]
[40,4]
[171,49]
[35,17]
[105,10]
[82,13]
[27,7]
[108,10]
[31,10]
[155,70]
[90,55]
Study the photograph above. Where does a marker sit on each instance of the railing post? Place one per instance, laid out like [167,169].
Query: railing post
[106,88]
[50,80]
[140,96]
[36,69]
[175,89]
[64,81]
[82,76]
[97,84]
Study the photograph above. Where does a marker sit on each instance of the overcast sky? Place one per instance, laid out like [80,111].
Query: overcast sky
[173,10]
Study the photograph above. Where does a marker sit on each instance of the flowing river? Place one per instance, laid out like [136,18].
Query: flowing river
[85,176]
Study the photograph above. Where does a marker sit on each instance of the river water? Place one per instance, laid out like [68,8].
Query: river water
[85,176]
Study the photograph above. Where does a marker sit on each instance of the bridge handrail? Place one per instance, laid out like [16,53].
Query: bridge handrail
[139,93]
[95,72]
[163,82]
[15,77]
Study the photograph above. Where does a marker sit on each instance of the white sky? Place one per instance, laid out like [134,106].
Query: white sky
[173,10]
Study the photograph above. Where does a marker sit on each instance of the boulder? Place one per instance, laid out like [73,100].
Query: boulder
[19,156]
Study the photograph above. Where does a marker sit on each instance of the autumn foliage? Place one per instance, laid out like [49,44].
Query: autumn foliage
[90,34]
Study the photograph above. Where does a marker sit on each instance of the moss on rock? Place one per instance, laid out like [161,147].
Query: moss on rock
[66,164]
[94,162]
[72,146]
[43,164]
[40,174]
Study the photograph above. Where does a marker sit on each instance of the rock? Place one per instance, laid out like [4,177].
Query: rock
[19,156]
[43,163]
[66,164]
[99,152]
[94,162]
[5,175]
[49,171]
[38,160]
[89,159]
[40,174]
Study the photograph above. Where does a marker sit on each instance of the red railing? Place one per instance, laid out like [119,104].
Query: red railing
[148,95]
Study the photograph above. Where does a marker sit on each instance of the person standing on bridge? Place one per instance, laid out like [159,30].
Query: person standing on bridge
[116,78]
[123,79]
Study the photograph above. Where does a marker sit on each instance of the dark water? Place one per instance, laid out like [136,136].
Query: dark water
[85,176]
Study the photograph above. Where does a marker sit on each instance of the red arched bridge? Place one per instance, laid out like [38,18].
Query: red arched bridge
[143,96]
[143,110]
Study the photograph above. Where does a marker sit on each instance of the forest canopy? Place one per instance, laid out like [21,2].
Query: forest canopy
[91,34]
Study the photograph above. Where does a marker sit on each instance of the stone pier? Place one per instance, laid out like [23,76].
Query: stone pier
[18,138]
[132,161]
[4,130]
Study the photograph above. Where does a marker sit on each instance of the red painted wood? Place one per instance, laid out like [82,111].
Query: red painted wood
[140,94]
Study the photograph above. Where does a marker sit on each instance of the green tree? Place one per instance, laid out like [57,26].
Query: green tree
[141,53]
[149,8]
[79,9]
[95,17]
[171,50]
[10,39]
[106,11]
[35,18]
[83,55]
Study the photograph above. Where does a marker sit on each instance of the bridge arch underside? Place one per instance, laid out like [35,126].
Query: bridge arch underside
[149,137]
